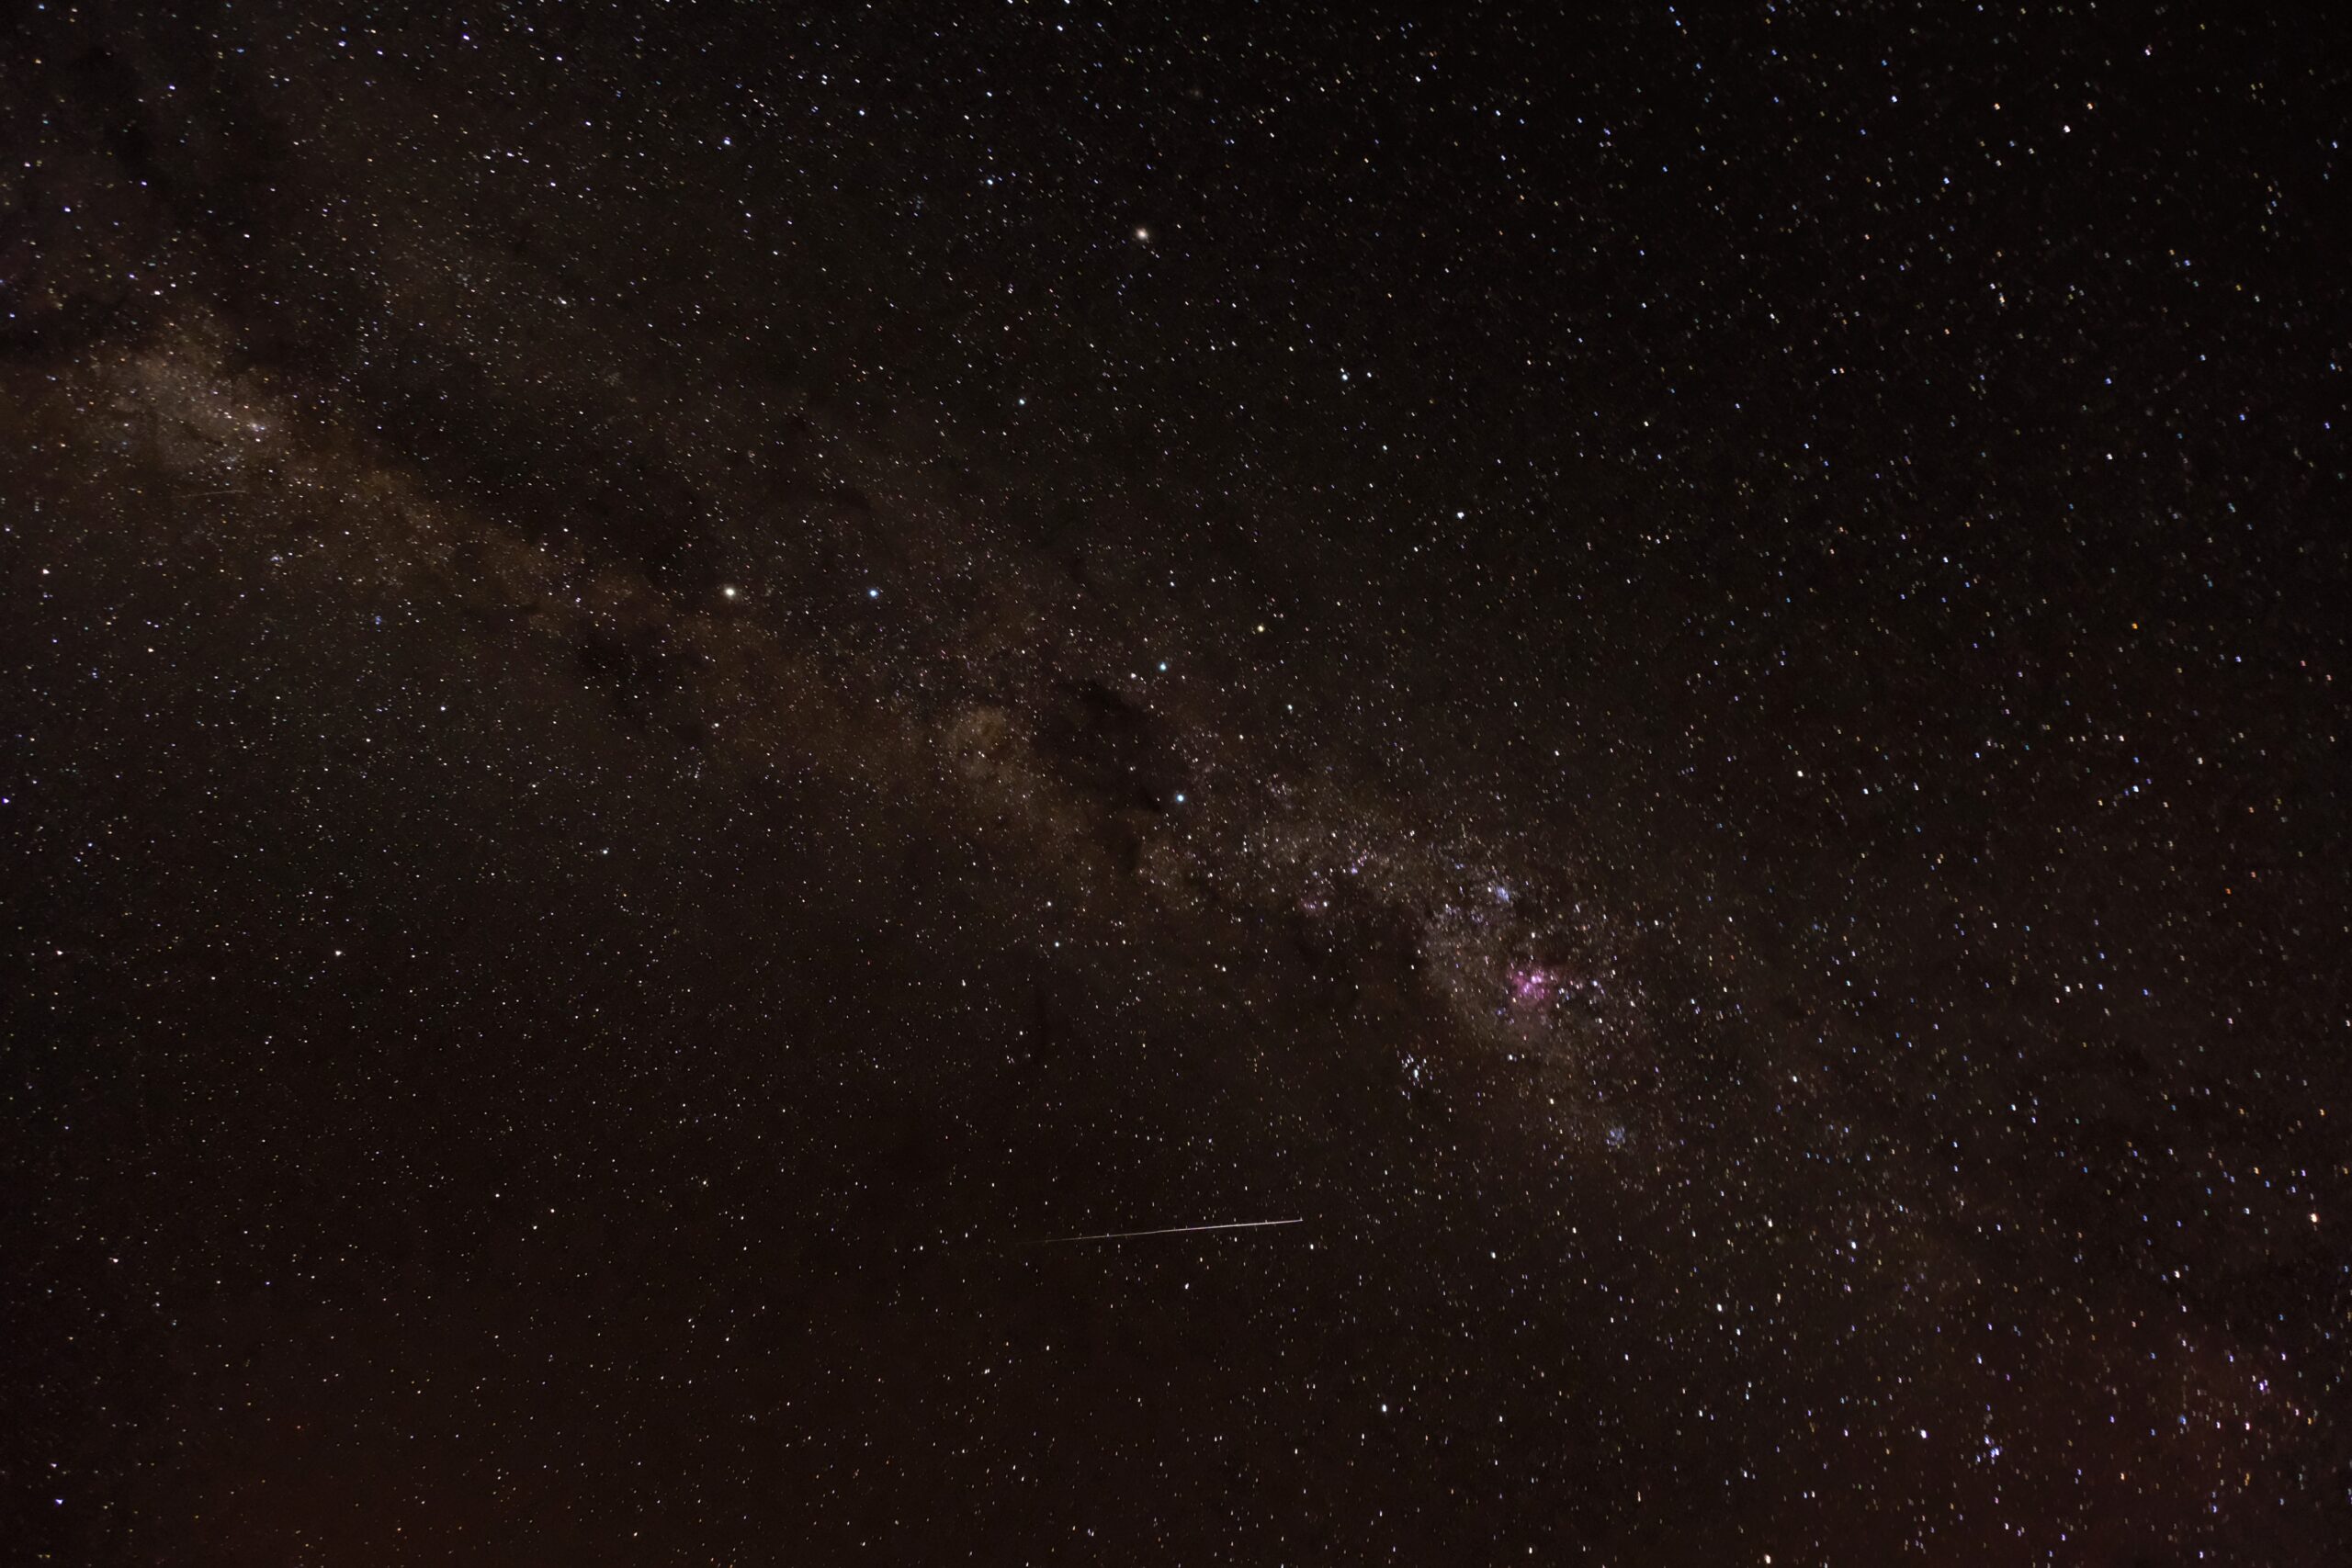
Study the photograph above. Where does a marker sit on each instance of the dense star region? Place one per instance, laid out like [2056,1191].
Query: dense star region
[1033,782]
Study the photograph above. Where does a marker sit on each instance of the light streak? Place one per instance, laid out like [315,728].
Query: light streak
[1165,1230]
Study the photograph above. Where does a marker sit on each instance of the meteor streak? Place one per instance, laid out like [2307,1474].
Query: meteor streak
[1167,1230]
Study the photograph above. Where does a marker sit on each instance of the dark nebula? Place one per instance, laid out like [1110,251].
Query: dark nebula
[675,676]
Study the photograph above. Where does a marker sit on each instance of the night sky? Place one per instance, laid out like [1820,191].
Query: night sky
[678,680]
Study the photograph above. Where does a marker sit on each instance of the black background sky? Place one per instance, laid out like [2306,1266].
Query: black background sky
[675,676]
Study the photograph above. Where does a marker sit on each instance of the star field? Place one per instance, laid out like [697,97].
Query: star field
[678,683]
